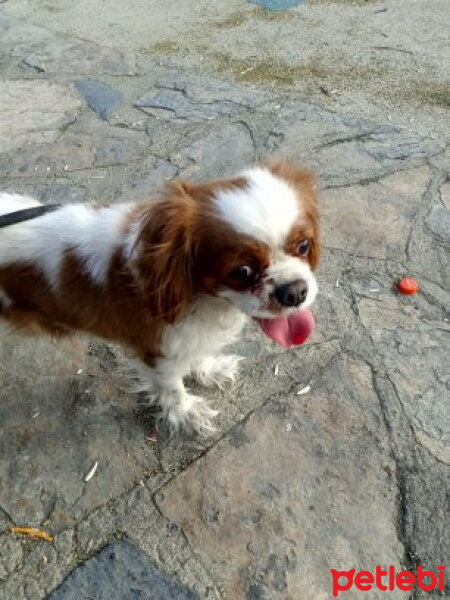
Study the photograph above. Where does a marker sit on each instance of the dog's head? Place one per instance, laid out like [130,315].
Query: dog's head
[253,239]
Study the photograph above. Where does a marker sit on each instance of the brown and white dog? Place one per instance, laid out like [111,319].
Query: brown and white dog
[172,279]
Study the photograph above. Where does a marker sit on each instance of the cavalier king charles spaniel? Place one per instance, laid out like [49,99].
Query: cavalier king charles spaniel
[172,279]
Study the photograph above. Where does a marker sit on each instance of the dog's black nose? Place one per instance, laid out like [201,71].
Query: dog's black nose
[292,293]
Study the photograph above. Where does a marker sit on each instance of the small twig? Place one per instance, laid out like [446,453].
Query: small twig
[393,49]
[33,532]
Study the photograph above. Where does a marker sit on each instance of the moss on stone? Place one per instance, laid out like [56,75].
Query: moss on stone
[420,92]
[163,47]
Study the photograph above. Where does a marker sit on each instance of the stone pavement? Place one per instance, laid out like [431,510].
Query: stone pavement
[350,474]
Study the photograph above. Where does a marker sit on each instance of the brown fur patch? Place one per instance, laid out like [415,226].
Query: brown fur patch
[116,311]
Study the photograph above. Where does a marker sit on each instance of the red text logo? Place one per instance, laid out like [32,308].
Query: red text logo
[387,580]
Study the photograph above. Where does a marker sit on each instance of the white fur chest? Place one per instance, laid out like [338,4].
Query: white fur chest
[212,324]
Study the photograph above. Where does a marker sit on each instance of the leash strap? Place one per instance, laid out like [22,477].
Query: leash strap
[26,214]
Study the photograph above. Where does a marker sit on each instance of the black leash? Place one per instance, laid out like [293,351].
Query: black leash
[26,214]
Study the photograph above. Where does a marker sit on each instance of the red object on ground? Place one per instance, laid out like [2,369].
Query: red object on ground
[408,286]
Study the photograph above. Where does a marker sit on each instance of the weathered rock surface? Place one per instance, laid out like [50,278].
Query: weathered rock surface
[53,434]
[303,486]
[76,151]
[438,222]
[120,571]
[17,36]
[176,95]
[363,220]
[100,97]
[144,186]
[86,58]
[344,150]
[53,108]
[218,152]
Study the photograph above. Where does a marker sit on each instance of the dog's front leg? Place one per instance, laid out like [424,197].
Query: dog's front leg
[217,370]
[163,378]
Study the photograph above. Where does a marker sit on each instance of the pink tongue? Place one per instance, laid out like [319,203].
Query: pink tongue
[289,331]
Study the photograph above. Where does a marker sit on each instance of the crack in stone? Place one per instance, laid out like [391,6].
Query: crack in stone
[32,67]
[218,104]
[410,558]
[250,132]
[271,397]
[365,180]
[431,194]
[191,550]
[8,516]
[343,140]
[362,257]
[194,102]
[51,506]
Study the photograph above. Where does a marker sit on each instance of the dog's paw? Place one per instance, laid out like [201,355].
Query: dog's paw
[188,413]
[217,370]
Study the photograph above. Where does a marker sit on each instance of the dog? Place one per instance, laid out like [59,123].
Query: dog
[172,279]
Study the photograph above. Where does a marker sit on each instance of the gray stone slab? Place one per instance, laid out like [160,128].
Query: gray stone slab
[93,146]
[34,112]
[121,572]
[177,95]
[401,146]
[306,484]
[100,97]
[300,51]
[364,220]
[63,193]
[76,56]
[20,36]
[438,221]
[34,570]
[343,150]
[144,186]
[11,556]
[427,248]
[209,89]
[220,151]
[445,195]
[60,192]
[59,416]
[164,102]
[411,343]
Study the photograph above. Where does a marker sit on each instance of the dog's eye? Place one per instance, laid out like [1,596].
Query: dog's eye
[303,247]
[243,273]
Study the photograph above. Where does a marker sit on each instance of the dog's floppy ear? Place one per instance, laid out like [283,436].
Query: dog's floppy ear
[165,252]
